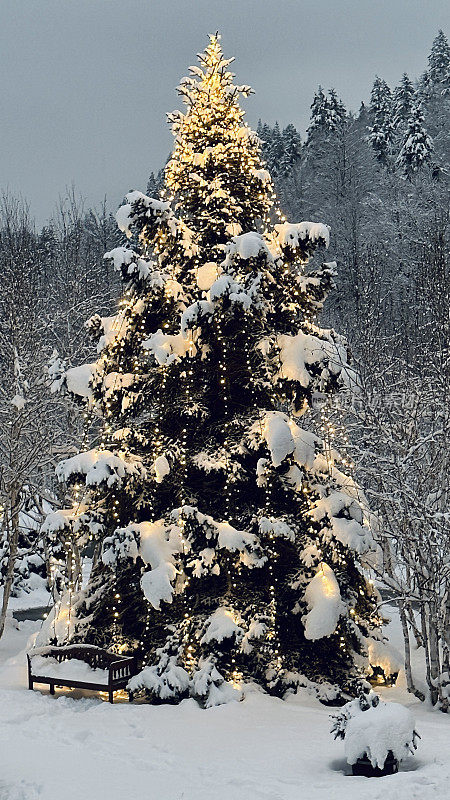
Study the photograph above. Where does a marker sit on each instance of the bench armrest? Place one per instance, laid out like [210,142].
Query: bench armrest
[125,665]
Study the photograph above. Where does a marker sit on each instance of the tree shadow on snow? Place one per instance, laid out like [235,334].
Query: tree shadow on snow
[411,764]
[340,765]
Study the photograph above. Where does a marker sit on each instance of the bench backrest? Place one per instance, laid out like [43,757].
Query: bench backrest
[95,657]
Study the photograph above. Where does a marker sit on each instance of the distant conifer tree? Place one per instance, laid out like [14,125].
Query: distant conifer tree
[403,101]
[417,147]
[381,131]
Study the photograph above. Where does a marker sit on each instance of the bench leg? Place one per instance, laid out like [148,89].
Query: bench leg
[111,696]
[52,688]
[130,697]
[30,683]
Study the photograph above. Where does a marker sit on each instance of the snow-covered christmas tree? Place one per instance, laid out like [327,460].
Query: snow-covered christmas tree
[228,535]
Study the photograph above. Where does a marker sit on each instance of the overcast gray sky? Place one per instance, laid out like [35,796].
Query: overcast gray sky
[85,84]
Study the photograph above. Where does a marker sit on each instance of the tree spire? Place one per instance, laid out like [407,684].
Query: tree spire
[216,158]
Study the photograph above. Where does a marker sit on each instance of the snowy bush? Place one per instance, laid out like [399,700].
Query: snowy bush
[370,727]
[209,686]
[166,680]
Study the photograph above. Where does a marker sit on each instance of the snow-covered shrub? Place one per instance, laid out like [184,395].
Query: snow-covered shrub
[29,567]
[372,728]
[166,681]
[209,686]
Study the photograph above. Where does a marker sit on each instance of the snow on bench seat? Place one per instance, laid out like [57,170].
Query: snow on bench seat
[73,669]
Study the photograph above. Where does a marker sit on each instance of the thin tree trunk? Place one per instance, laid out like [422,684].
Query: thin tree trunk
[13,541]
[408,671]
[412,622]
[426,642]
[445,688]
[435,661]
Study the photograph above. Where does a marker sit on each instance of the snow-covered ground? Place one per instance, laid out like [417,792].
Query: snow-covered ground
[71,746]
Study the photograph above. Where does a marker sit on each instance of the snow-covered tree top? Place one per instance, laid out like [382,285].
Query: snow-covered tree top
[403,100]
[439,58]
[212,73]
[216,159]
[417,146]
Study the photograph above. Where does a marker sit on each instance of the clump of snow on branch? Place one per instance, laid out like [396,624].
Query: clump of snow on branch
[256,630]
[106,329]
[225,536]
[227,286]
[18,402]
[343,510]
[77,380]
[221,625]
[292,234]
[231,539]
[262,175]
[126,214]
[383,654]
[278,436]
[100,466]
[323,598]
[116,381]
[284,437]
[161,467]
[207,274]
[58,520]
[132,264]
[192,315]
[121,546]
[165,347]
[276,528]
[245,246]
[159,545]
[320,348]
[121,257]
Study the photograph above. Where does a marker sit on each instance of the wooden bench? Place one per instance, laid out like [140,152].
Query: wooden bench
[119,668]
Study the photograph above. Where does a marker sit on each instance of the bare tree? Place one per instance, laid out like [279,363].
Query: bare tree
[51,283]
